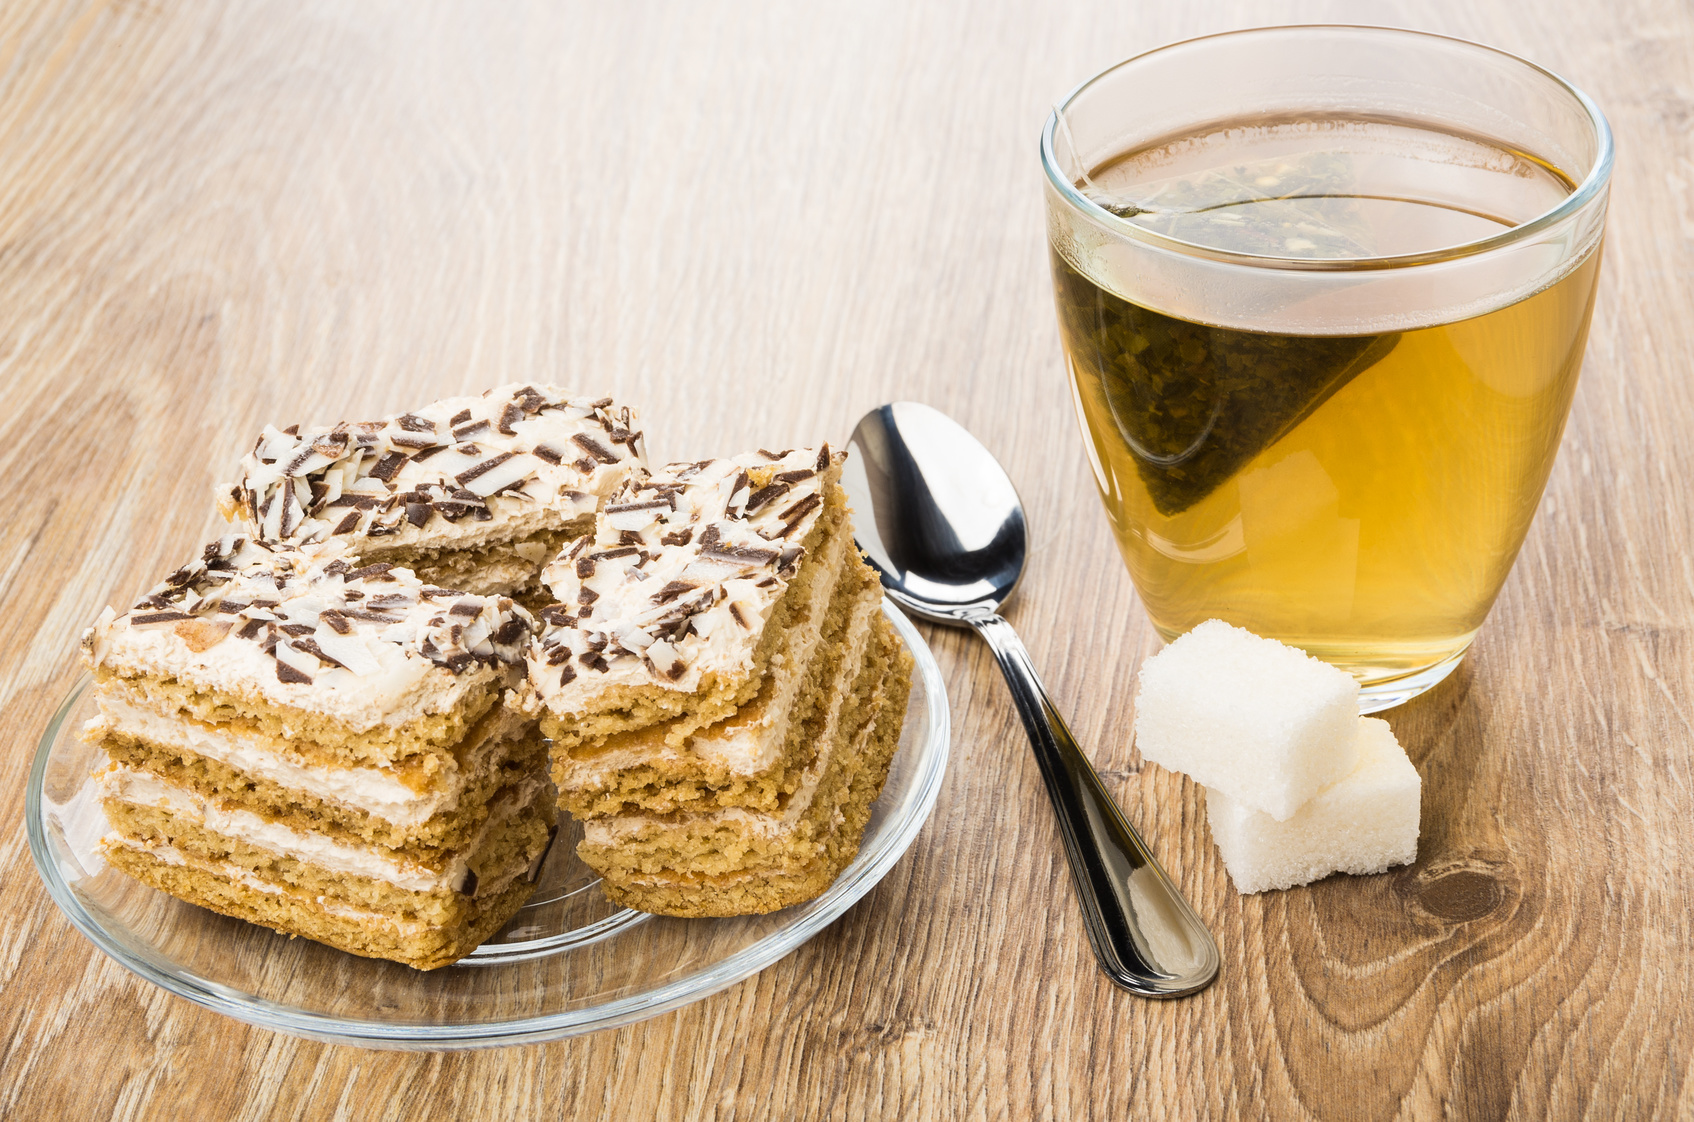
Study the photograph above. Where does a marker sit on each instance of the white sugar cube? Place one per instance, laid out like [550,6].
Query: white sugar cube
[1263,723]
[1361,824]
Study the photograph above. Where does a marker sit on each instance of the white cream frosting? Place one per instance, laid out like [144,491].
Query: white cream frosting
[680,578]
[124,784]
[313,631]
[461,470]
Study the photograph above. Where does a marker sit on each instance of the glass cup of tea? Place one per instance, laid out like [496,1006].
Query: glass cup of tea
[1323,294]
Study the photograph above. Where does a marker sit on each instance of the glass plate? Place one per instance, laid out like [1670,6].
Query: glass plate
[568,963]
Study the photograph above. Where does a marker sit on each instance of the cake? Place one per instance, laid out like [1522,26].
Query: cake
[722,691]
[343,723]
[475,493]
[319,744]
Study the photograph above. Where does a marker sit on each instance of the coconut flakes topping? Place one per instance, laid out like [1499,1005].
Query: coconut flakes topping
[689,560]
[318,614]
[435,466]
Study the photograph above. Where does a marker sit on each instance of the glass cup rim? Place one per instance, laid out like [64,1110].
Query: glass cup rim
[1592,185]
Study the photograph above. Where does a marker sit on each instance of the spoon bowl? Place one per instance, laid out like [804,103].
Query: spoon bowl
[946,532]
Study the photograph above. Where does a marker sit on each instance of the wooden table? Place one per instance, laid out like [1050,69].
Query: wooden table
[757,222]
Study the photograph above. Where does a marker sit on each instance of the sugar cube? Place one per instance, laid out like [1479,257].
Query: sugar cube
[1363,823]
[1261,722]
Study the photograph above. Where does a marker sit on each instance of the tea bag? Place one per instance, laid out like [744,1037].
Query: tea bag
[1268,208]
[1195,403]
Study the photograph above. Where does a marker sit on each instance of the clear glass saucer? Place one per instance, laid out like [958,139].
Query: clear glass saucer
[568,963]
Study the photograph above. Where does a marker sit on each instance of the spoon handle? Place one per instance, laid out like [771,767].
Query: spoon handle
[1147,938]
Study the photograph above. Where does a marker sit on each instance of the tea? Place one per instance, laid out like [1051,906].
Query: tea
[1360,496]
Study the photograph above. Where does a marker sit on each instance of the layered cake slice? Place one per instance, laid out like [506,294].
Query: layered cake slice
[318,745]
[474,493]
[731,859]
[722,692]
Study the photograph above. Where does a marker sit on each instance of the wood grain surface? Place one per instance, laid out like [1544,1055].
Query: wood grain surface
[758,221]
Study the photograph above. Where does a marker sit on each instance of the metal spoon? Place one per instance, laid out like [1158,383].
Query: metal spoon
[939,518]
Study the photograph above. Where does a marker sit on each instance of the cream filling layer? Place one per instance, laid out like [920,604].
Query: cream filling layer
[751,743]
[376,791]
[170,855]
[757,823]
[124,784]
